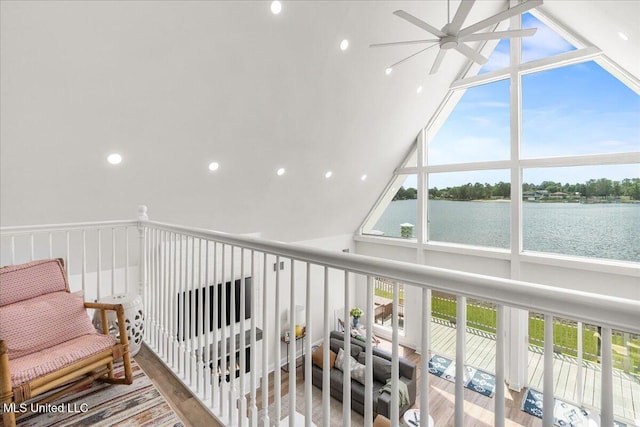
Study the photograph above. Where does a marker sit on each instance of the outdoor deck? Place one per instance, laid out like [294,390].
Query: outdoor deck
[480,353]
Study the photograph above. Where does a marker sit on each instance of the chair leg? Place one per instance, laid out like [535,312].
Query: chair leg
[6,392]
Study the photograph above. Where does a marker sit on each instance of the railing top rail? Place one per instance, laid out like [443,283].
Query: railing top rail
[617,313]
[28,229]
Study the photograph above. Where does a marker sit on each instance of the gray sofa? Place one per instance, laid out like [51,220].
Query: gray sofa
[381,372]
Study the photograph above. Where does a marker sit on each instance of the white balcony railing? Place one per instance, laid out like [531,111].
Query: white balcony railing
[180,271]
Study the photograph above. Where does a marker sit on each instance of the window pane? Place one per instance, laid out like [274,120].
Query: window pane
[589,211]
[498,59]
[578,109]
[470,208]
[477,129]
[396,215]
[544,43]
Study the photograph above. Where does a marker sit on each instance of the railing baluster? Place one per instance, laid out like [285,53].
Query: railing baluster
[233,361]
[426,354]
[580,372]
[395,357]
[253,408]
[368,380]
[461,330]
[223,336]
[265,346]
[500,367]
[243,344]
[193,308]
[215,351]
[126,260]
[346,363]
[206,295]
[99,265]
[199,322]
[326,398]
[67,260]
[547,386]
[113,260]
[173,303]
[277,359]
[292,347]
[162,291]
[606,388]
[50,245]
[307,351]
[13,250]
[182,306]
[33,256]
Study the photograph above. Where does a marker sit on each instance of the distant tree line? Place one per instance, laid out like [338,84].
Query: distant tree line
[594,188]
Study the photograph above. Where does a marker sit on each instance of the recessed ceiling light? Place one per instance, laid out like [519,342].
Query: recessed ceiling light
[419,89]
[344,44]
[213,166]
[363,177]
[280,171]
[276,7]
[328,174]
[388,71]
[114,159]
[623,36]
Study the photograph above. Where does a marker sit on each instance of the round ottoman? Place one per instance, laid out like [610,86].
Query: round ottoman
[133,318]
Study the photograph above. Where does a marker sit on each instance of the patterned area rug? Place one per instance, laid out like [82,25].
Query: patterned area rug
[564,413]
[99,404]
[474,379]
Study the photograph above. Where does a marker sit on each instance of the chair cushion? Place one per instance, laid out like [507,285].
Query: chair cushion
[32,366]
[25,281]
[38,323]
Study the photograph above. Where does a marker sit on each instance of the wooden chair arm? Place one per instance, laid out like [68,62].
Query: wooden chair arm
[119,309]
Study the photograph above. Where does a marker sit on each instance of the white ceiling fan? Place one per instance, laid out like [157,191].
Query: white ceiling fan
[453,36]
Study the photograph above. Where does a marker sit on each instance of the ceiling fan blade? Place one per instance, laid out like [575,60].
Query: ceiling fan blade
[411,56]
[498,35]
[419,23]
[516,10]
[471,54]
[461,15]
[404,43]
[438,61]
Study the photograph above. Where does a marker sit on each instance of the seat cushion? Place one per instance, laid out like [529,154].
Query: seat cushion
[32,366]
[39,323]
[24,281]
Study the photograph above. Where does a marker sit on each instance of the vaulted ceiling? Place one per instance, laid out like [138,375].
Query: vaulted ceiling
[173,86]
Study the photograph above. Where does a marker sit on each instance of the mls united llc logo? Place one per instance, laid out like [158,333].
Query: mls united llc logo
[69,408]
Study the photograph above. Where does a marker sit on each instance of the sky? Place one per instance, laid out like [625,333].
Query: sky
[573,110]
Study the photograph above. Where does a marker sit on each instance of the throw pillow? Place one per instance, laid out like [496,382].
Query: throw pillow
[316,357]
[39,323]
[357,369]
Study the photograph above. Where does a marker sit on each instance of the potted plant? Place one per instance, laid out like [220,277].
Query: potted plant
[356,313]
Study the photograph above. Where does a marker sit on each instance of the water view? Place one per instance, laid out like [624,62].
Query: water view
[608,230]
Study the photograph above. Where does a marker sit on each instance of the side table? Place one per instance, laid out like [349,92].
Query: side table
[411,418]
[287,341]
[133,315]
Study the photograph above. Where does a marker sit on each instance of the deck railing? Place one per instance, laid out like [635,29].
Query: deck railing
[181,272]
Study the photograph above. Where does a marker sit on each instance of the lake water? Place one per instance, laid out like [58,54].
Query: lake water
[597,230]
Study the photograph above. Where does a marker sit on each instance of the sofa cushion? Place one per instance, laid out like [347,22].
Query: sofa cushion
[316,357]
[24,281]
[337,344]
[37,364]
[39,323]
[381,367]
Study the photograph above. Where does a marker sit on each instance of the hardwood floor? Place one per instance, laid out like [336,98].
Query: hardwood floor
[478,408]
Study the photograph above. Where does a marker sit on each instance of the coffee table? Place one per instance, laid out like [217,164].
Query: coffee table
[411,415]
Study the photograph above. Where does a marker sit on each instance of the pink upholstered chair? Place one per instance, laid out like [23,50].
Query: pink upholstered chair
[47,340]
